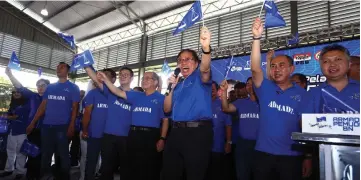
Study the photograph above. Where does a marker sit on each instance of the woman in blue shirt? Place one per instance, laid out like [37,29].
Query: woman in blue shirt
[190,142]
[33,164]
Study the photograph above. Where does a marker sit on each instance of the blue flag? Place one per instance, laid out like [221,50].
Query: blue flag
[40,70]
[14,62]
[273,17]
[165,68]
[323,118]
[193,15]
[294,40]
[82,60]
[68,39]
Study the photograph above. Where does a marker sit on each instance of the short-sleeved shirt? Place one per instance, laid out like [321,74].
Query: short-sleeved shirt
[220,120]
[147,110]
[280,115]
[327,99]
[119,114]
[248,114]
[60,98]
[19,125]
[99,112]
[35,101]
[191,99]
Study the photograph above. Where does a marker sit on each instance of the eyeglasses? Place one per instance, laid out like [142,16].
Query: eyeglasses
[41,85]
[184,60]
[124,75]
[146,78]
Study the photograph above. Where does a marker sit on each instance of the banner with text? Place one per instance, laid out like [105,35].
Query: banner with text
[305,60]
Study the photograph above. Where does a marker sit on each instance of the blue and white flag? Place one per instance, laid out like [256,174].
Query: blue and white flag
[40,70]
[68,39]
[193,15]
[14,62]
[294,40]
[166,69]
[273,17]
[82,60]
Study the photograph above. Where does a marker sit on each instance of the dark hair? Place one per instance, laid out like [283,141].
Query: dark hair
[155,76]
[335,47]
[138,88]
[67,65]
[82,91]
[289,58]
[16,102]
[302,77]
[126,68]
[111,71]
[47,82]
[240,85]
[215,83]
[249,78]
[194,54]
[355,58]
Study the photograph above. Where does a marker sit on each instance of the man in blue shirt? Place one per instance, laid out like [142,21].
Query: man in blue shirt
[247,110]
[339,94]
[59,107]
[222,134]
[95,115]
[281,106]
[33,164]
[117,124]
[145,139]
[190,142]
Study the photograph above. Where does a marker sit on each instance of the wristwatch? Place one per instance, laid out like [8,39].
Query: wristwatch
[229,142]
[162,138]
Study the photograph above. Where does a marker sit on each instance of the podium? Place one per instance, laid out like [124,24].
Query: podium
[338,138]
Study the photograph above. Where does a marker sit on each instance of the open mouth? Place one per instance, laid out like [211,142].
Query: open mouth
[333,70]
[185,69]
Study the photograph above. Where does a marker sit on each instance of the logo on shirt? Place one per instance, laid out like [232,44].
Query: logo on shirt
[142,109]
[155,101]
[53,97]
[122,105]
[355,96]
[321,122]
[66,90]
[296,98]
[100,105]
[215,116]
[281,108]
[249,116]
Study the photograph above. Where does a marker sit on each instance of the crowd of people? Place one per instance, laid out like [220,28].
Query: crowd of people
[194,132]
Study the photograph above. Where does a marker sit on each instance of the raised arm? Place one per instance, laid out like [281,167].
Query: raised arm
[269,57]
[13,80]
[93,76]
[40,112]
[257,73]
[116,91]
[205,66]
[226,107]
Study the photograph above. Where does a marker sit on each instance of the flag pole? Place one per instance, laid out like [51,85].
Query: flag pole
[260,12]
[230,65]
[202,13]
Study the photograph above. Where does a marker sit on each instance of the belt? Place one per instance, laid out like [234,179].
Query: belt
[139,128]
[192,124]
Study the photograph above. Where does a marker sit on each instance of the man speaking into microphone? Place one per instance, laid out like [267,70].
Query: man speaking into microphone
[189,144]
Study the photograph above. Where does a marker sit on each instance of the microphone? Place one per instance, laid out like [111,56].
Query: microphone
[176,73]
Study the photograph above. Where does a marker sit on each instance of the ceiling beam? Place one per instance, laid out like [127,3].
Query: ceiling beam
[93,17]
[183,3]
[27,5]
[60,11]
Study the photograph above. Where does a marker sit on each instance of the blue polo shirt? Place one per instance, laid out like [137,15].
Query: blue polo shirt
[248,114]
[327,99]
[99,113]
[192,99]
[147,111]
[280,115]
[60,98]
[19,125]
[35,101]
[220,120]
[119,114]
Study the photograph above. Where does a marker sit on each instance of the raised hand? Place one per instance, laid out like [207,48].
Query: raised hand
[101,76]
[205,39]
[173,80]
[257,28]
[224,85]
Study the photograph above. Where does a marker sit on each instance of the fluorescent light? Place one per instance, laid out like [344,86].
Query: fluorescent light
[44,12]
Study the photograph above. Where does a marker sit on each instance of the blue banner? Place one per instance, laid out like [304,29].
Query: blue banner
[14,62]
[82,60]
[305,60]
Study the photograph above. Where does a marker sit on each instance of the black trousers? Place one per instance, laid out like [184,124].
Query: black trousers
[144,162]
[114,152]
[34,163]
[285,167]
[187,149]
[75,149]
[216,168]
